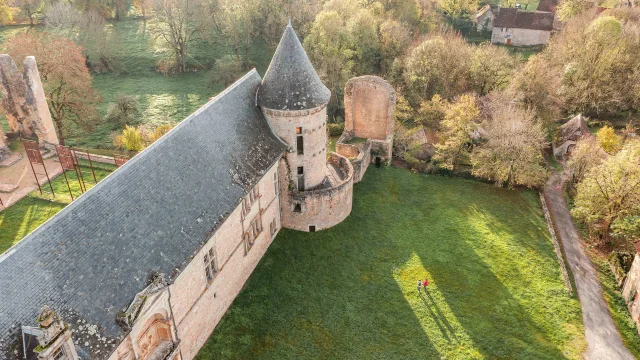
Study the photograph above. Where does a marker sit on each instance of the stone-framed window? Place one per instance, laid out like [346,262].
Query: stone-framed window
[210,266]
[297,208]
[250,199]
[273,227]
[59,354]
[249,237]
[299,141]
[275,182]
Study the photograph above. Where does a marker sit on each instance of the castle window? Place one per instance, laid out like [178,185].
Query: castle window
[312,228]
[59,354]
[272,227]
[300,145]
[298,130]
[275,182]
[300,182]
[300,170]
[210,267]
[297,208]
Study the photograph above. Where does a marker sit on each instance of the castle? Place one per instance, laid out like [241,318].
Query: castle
[145,264]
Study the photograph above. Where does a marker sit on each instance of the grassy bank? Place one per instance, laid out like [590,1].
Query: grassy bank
[350,291]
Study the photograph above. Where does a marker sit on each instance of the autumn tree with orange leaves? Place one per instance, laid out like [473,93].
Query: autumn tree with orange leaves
[67,83]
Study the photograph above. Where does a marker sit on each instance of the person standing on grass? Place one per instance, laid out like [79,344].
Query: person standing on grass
[425,284]
[419,285]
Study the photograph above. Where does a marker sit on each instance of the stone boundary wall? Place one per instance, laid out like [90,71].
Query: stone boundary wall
[322,208]
[359,155]
[556,245]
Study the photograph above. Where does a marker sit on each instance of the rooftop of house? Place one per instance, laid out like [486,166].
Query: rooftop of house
[547,5]
[291,82]
[152,215]
[577,123]
[531,20]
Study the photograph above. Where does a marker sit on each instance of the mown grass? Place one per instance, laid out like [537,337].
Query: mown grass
[26,215]
[23,217]
[350,291]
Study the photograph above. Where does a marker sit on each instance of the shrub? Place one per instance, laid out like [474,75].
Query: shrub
[335,129]
[160,131]
[131,139]
[125,110]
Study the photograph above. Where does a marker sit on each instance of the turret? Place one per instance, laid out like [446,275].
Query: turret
[294,101]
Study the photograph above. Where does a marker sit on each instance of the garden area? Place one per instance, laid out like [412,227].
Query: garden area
[496,290]
[26,215]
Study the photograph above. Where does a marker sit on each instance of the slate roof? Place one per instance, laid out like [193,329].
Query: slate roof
[531,20]
[291,82]
[547,5]
[153,214]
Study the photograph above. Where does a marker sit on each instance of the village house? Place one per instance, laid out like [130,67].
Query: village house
[484,18]
[145,264]
[522,28]
[568,135]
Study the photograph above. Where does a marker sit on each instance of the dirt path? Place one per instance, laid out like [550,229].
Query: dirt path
[603,339]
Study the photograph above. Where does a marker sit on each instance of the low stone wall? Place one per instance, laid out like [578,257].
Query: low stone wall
[319,209]
[358,154]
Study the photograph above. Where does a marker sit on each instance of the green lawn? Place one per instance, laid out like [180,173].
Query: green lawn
[23,217]
[350,291]
[27,214]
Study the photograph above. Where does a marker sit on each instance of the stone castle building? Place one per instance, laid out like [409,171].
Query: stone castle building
[145,264]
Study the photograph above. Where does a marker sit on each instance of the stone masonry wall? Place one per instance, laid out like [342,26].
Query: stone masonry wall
[321,208]
[314,131]
[198,306]
[632,283]
[368,105]
[24,100]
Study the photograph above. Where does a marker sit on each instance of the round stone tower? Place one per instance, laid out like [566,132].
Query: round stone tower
[294,101]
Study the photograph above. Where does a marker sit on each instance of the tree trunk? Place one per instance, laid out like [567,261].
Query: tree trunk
[58,123]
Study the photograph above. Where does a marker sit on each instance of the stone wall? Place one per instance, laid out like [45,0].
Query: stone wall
[196,305]
[358,154]
[631,286]
[520,37]
[322,208]
[369,102]
[314,131]
[24,100]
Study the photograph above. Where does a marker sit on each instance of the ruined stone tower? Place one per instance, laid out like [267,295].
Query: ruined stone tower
[294,100]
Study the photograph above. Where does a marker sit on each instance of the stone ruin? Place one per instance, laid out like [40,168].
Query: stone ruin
[25,103]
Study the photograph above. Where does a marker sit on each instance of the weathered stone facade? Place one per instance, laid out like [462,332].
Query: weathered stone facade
[631,289]
[309,127]
[318,209]
[25,102]
[519,37]
[369,103]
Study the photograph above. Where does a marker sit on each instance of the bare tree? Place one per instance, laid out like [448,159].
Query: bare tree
[176,24]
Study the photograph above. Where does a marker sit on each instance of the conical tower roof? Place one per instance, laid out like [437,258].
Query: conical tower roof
[291,82]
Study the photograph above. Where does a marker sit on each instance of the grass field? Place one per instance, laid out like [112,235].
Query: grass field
[27,214]
[163,99]
[350,292]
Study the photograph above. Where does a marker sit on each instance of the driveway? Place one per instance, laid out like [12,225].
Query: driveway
[603,338]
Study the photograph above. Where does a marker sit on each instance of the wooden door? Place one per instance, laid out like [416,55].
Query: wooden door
[509,41]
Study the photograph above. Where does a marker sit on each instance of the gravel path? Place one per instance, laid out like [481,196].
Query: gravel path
[603,338]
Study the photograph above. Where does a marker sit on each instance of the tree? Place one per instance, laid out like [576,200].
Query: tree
[143,6]
[491,68]
[65,77]
[237,21]
[458,8]
[611,191]
[6,12]
[177,23]
[457,125]
[132,139]
[364,44]
[608,139]
[125,110]
[586,154]
[30,8]
[394,42]
[569,9]
[512,153]
[536,87]
[226,70]
[431,113]
[439,65]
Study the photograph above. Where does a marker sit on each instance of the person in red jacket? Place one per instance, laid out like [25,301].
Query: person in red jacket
[424,284]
